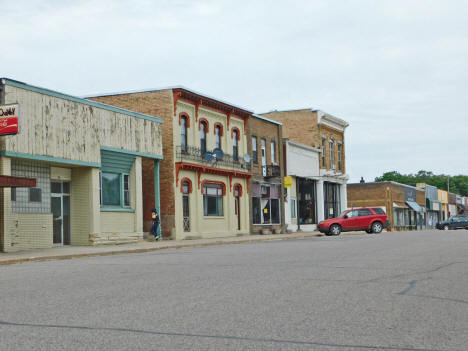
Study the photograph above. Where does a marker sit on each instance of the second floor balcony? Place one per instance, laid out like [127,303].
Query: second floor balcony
[196,154]
[270,171]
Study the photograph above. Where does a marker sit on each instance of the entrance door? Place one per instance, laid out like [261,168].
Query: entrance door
[60,204]
[237,206]
[186,206]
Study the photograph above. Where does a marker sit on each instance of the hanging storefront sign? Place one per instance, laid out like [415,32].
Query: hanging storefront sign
[9,119]
[288,182]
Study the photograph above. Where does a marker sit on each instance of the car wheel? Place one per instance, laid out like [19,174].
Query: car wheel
[335,229]
[446,227]
[376,227]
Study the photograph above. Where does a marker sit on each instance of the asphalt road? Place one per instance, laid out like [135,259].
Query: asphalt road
[393,291]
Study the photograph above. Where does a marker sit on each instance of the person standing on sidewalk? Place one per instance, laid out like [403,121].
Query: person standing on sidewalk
[154,227]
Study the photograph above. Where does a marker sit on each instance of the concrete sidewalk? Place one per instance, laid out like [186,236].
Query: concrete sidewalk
[67,252]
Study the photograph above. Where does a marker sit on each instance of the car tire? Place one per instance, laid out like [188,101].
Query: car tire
[446,227]
[376,227]
[335,229]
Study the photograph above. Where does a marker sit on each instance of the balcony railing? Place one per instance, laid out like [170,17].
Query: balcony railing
[195,154]
[271,171]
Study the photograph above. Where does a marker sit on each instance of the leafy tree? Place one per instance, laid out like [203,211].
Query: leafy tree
[458,183]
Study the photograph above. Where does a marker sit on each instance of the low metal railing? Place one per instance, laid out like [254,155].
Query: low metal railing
[196,154]
[271,171]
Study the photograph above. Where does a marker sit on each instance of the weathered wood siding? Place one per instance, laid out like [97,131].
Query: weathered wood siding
[57,127]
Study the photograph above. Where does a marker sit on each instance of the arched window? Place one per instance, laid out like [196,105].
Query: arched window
[235,147]
[203,130]
[218,136]
[183,133]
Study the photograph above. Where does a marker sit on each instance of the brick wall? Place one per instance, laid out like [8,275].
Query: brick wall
[338,137]
[270,132]
[159,104]
[300,126]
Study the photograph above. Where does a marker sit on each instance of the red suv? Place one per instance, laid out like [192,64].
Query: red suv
[370,219]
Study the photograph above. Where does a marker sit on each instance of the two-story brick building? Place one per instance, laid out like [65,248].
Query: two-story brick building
[320,188]
[204,176]
[86,159]
[266,150]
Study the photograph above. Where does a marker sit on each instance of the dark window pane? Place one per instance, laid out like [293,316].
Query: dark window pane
[66,188]
[266,211]
[111,189]
[35,195]
[256,210]
[378,210]
[56,187]
[13,194]
[275,212]
[126,190]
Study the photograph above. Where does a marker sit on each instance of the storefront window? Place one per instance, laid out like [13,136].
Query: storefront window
[266,204]
[212,199]
[293,208]
[307,201]
[110,189]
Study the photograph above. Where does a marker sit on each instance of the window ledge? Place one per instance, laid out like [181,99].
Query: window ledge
[214,217]
[117,209]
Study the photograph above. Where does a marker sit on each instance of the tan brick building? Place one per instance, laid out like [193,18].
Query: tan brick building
[265,143]
[316,160]
[203,194]
[404,204]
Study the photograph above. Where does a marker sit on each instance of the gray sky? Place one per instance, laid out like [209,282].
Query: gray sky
[397,71]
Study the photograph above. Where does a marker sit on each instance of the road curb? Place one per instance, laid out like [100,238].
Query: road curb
[179,245]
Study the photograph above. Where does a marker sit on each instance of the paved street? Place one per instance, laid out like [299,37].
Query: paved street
[393,291]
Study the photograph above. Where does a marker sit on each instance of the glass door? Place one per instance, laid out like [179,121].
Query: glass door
[57,218]
[60,205]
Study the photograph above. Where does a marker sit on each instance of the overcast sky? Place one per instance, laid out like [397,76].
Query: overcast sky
[397,71]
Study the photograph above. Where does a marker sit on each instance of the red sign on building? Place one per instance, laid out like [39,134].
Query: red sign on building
[9,119]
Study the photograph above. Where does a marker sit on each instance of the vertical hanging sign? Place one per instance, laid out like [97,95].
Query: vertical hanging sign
[9,119]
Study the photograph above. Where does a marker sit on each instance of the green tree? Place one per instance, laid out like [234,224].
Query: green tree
[458,183]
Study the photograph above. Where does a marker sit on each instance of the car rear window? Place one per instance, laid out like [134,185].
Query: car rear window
[378,210]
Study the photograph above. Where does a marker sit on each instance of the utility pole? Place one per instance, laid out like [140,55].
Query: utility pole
[448,184]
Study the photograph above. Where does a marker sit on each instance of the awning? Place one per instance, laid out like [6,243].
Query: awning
[434,205]
[415,206]
[461,206]
[395,205]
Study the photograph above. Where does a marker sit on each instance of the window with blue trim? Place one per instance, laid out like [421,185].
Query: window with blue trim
[115,184]
[115,189]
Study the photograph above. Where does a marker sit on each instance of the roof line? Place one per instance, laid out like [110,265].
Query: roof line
[267,119]
[139,91]
[45,91]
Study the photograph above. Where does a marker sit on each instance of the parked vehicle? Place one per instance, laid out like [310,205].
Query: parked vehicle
[370,219]
[454,222]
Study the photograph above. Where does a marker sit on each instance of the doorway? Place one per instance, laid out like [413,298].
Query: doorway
[237,206]
[60,205]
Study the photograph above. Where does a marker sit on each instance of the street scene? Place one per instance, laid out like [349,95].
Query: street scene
[392,291]
[233,175]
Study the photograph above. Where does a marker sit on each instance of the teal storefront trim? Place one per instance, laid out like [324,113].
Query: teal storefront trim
[48,159]
[116,162]
[116,209]
[136,153]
